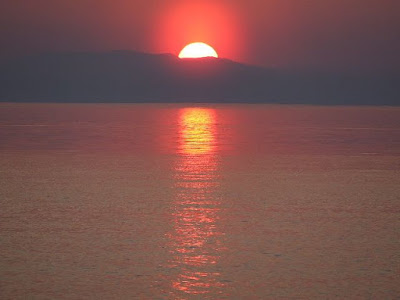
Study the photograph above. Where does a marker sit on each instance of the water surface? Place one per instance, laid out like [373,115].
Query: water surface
[199,202]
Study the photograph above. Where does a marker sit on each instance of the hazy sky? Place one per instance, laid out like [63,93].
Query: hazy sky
[301,34]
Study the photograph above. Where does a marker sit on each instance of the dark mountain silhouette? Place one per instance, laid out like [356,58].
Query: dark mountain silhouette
[126,76]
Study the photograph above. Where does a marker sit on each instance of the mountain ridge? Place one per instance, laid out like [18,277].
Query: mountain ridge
[130,76]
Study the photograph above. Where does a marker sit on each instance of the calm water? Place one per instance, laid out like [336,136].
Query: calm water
[199,202]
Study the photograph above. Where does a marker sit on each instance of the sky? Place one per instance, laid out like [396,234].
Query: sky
[324,35]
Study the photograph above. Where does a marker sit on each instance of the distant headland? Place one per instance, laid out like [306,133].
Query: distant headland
[128,76]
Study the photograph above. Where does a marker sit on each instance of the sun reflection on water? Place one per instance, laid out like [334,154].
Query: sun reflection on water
[196,239]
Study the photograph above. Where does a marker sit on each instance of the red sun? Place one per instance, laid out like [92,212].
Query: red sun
[198,50]
[215,23]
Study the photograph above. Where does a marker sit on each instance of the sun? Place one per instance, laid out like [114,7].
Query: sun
[198,50]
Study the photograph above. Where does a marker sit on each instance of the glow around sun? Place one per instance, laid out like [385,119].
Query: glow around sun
[198,50]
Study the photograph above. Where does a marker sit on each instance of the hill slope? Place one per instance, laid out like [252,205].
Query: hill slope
[126,76]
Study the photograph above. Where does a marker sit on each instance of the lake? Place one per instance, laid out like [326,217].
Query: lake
[129,201]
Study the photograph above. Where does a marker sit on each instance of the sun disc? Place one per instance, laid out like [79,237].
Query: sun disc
[198,50]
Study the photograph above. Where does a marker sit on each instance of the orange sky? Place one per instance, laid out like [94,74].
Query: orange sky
[294,34]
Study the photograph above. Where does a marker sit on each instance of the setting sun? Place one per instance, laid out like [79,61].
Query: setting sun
[198,50]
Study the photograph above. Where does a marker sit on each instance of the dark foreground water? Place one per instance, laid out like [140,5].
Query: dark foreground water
[211,202]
